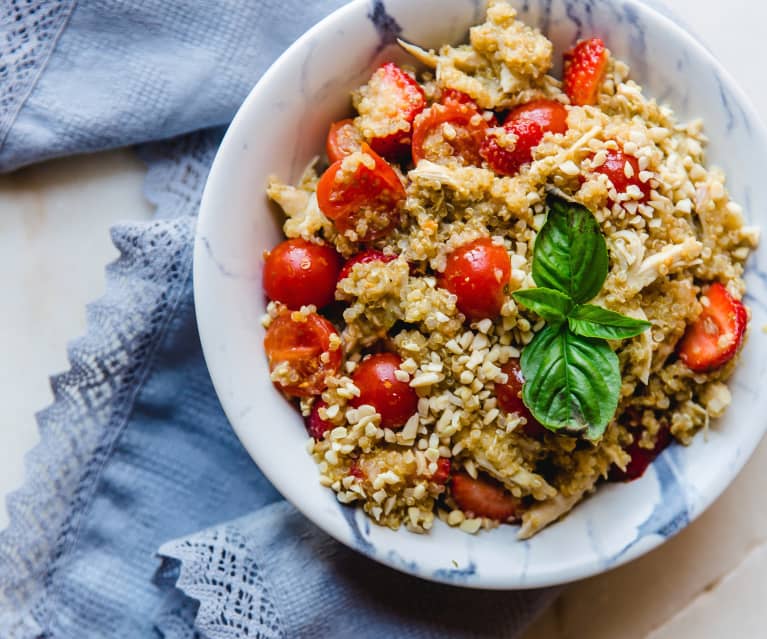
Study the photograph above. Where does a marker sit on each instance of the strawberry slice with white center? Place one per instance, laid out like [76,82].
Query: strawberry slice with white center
[715,337]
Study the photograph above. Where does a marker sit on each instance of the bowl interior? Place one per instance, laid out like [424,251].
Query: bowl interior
[282,125]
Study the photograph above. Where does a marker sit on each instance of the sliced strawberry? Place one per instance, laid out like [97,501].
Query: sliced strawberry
[614,168]
[364,257]
[391,102]
[483,497]
[641,458]
[442,474]
[507,149]
[315,425]
[585,66]
[714,338]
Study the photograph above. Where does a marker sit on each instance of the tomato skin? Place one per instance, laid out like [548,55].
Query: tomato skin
[442,474]
[366,202]
[477,274]
[614,168]
[509,396]
[508,161]
[394,400]
[549,115]
[298,273]
[315,425]
[715,337]
[466,122]
[343,139]
[483,497]
[299,345]
[364,257]
[393,86]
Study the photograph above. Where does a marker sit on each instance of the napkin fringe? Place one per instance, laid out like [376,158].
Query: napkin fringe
[93,399]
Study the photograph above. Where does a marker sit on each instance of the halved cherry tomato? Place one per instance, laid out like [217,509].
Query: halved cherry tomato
[449,130]
[614,168]
[364,257]
[392,100]
[344,139]
[714,338]
[549,115]
[361,193]
[509,396]
[299,348]
[298,273]
[483,497]
[379,387]
[477,274]
[641,458]
[453,96]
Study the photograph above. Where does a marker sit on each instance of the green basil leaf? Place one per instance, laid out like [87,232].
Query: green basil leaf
[594,321]
[570,253]
[571,382]
[551,305]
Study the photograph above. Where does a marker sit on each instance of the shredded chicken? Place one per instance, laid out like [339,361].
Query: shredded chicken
[669,259]
[541,515]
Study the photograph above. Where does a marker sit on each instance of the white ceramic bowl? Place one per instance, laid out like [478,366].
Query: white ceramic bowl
[283,123]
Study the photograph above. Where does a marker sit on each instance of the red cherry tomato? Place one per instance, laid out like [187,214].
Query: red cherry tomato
[315,425]
[449,130]
[299,348]
[504,157]
[483,497]
[364,257]
[614,168]
[477,274]
[453,96]
[395,98]
[509,397]
[297,273]
[343,139]
[364,199]
[549,115]
[396,401]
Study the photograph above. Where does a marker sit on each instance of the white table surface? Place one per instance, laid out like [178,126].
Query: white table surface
[708,582]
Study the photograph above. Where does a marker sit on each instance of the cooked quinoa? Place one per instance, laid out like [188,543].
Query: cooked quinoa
[663,251]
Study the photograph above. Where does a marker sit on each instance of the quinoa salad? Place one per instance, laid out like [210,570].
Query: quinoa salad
[500,288]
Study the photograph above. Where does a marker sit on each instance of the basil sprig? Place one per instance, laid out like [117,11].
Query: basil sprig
[572,376]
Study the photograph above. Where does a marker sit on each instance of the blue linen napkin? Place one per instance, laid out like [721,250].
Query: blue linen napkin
[136,455]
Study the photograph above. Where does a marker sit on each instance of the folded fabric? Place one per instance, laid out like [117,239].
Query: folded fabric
[135,450]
